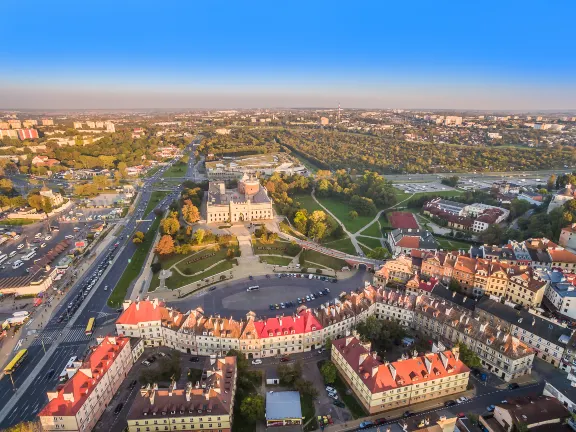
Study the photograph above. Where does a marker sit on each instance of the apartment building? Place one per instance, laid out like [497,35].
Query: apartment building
[404,241]
[206,405]
[385,386]
[500,352]
[526,412]
[15,124]
[396,270]
[47,122]
[547,339]
[78,404]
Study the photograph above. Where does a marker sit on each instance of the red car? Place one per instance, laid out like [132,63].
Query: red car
[461,415]
[284,359]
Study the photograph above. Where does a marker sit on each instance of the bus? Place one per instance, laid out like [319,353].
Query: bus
[3,258]
[90,327]
[16,361]
[64,375]
[29,256]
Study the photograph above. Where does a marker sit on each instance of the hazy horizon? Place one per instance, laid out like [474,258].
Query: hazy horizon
[126,55]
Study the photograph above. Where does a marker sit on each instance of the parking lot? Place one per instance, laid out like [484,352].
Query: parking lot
[422,187]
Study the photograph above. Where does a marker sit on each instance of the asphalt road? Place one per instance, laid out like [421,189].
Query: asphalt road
[232,299]
[492,176]
[75,342]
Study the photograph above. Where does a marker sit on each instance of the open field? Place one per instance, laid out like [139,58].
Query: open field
[204,263]
[341,210]
[276,260]
[446,244]
[343,245]
[369,241]
[325,260]
[176,170]
[275,248]
[373,230]
[177,280]
[133,269]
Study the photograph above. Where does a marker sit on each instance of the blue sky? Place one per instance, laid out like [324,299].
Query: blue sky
[131,54]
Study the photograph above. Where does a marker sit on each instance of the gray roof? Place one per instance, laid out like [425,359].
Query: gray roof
[543,328]
[426,238]
[283,405]
[443,292]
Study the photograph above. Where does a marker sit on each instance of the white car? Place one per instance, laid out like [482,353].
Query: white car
[38,235]
[43,245]
[462,399]
[17,264]
[20,246]
[13,253]
[48,237]
[68,237]
[256,362]
[330,389]
[333,395]
[17,236]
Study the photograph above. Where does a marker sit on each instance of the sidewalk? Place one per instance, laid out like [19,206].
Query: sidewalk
[392,415]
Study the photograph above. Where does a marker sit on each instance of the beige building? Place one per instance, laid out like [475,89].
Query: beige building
[206,405]
[55,198]
[47,122]
[385,386]
[79,403]
[247,203]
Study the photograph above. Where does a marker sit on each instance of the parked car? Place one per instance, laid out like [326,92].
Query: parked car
[366,424]
[450,403]
[256,362]
[330,389]
[513,386]
[132,384]
[194,359]
[490,408]
[339,404]
[118,408]
[462,399]
[284,359]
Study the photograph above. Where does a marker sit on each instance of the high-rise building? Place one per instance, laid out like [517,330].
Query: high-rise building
[90,124]
[15,124]
[110,127]
[77,125]
[47,122]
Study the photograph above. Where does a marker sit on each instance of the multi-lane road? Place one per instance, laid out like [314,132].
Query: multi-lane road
[58,341]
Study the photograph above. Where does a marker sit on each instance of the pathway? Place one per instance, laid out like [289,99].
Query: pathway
[353,236]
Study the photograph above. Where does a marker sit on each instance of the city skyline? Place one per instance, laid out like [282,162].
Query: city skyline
[498,57]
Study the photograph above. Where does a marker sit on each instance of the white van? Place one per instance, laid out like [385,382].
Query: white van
[17,264]
[253,288]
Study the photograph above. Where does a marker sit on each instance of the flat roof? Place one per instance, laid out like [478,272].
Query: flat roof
[283,405]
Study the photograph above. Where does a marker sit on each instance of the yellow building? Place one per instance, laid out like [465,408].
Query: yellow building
[385,386]
[206,405]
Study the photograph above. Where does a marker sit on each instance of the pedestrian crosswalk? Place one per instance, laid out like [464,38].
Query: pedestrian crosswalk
[75,334]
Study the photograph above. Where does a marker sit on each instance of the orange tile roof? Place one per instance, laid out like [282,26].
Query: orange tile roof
[409,242]
[562,255]
[379,377]
[72,395]
[142,311]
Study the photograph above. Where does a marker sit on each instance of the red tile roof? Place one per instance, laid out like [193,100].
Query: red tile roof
[72,395]
[403,220]
[141,311]
[379,377]
[278,326]
[409,242]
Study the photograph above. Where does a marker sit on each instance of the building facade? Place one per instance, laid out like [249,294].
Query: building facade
[79,403]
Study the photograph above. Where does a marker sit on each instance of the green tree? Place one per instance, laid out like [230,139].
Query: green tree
[306,388]
[493,235]
[301,220]
[46,205]
[352,215]
[454,286]
[199,236]
[317,225]
[242,363]
[35,201]
[288,374]
[551,184]
[138,237]
[329,372]
[468,357]
[380,253]
[252,408]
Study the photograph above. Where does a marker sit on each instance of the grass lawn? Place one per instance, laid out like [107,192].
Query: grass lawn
[18,222]
[308,412]
[446,244]
[373,230]
[132,270]
[203,264]
[155,198]
[384,222]
[370,242]
[276,260]
[341,210]
[344,245]
[275,248]
[176,170]
[325,260]
[365,249]
[177,280]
